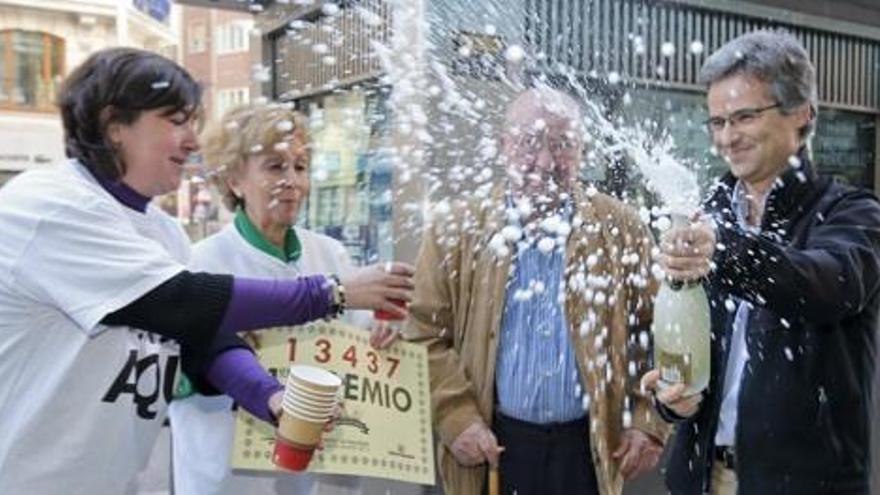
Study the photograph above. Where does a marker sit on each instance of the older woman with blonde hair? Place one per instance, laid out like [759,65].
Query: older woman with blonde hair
[259,160]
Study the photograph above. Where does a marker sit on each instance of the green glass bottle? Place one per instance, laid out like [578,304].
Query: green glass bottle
[681,329]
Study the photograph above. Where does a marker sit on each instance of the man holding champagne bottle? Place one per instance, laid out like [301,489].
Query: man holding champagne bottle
[792,267]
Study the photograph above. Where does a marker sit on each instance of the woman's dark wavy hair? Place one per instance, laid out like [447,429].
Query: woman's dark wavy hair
[116,85]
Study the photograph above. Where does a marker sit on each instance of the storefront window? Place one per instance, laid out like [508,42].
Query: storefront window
[351,171]
[31,71]
[844,146]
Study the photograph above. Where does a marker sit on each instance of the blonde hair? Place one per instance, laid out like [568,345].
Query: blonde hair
[243,132]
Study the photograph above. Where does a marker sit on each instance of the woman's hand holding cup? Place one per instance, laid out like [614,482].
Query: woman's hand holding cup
[382,286]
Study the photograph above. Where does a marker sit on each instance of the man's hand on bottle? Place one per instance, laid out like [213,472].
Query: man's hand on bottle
[378,286]
[686,252]
[673,396]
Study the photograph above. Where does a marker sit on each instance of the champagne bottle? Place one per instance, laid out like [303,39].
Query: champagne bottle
[681,329]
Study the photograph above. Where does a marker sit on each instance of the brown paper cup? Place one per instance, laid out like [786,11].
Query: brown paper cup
[302,432]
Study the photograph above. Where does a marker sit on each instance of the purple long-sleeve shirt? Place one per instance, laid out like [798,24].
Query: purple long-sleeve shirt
[238,373]
[261,303]
[257,303]
[254,304]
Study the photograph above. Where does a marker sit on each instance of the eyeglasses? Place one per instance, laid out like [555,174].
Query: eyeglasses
[559,147]
[744,116]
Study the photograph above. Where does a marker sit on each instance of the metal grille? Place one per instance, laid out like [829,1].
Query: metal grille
[598,37]
[316,53]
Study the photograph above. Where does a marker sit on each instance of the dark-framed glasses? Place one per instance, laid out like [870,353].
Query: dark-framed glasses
[743,116]
[530,144]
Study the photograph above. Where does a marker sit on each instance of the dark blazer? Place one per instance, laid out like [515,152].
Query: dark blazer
[813,278]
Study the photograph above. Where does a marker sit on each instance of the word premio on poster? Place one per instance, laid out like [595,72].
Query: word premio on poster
[384,430]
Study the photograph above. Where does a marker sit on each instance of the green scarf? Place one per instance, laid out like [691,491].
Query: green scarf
[292,247]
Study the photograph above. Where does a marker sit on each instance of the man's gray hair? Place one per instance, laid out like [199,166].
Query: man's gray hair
[774,57]
[552,100]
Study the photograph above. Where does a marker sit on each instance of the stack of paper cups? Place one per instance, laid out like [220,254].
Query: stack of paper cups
[308,403]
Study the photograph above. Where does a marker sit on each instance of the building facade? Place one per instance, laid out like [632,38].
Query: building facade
[216,50]
[40,43]
[615,50]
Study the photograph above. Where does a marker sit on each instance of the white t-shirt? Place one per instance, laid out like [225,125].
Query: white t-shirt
[80,403]
[202,427]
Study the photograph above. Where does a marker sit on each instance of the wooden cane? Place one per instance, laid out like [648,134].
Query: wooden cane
[494,484]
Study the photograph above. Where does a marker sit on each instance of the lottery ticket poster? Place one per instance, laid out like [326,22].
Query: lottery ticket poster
[385,428]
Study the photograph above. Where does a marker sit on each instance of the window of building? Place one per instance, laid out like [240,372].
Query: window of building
[31,69]
[844,146]
[230,98]
[157,9]
[197,38]
[351,196]
[329,208]
[234,37]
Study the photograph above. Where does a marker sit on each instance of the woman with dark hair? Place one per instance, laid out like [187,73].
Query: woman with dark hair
[96,307]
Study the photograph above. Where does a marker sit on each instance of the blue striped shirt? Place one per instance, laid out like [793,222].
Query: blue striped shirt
[536,377]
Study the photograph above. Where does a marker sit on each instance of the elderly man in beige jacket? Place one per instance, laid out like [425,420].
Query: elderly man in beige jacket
[535,308]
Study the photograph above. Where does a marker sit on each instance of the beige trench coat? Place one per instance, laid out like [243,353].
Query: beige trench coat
[457,310]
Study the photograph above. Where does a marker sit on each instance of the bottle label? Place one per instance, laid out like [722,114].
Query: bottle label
[674,368]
